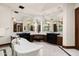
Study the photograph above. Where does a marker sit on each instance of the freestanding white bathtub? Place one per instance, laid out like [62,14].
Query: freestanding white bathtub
[22,47]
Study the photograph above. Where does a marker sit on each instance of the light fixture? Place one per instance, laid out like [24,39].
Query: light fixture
[16,12]
[13,18]
[21,7]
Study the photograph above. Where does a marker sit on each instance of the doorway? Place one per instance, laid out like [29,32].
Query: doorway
[77,28]
[17,27]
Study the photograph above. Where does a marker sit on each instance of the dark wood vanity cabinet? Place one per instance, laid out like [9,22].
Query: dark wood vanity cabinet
[52,38]
[38,37]
[59,40]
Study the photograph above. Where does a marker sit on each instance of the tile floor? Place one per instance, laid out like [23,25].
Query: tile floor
[8,50]
[73,52]
[51,50]
[48,50]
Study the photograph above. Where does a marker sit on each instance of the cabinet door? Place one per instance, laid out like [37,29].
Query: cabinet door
[59,40]
[52,38]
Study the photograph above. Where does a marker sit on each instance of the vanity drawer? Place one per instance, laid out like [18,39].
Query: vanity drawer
[38,37]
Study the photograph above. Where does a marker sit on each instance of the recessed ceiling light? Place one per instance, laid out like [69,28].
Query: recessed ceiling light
[16,12]
[21,7]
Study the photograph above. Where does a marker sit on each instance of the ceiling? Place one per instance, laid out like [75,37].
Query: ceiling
[36,8]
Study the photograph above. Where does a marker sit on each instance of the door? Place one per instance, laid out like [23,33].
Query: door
[77,28]
[55,27]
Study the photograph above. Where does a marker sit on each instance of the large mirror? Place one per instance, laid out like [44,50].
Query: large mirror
[28,25]
[38,25]
[46,25]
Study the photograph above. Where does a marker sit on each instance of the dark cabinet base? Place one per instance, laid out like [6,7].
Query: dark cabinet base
[53,39]
[38,37]
[59,41]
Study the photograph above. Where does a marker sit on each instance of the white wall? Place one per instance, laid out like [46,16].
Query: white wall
[76,5]
[5,19]
[68,25]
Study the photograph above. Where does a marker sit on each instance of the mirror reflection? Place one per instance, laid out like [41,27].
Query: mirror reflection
[44,25]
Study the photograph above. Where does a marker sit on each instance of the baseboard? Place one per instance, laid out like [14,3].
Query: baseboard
[5,44]
[68,47]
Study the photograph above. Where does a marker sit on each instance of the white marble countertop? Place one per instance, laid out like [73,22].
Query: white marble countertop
[60,35]
[44,33]
[41,33]
[36,33]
